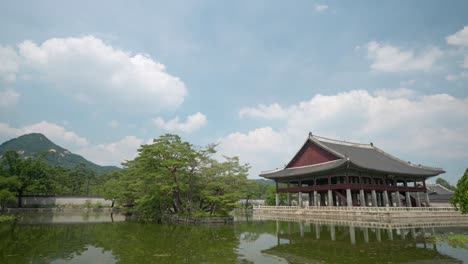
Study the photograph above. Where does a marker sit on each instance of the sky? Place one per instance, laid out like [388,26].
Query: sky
[100,78]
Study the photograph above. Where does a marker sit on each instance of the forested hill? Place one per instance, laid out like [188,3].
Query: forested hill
[31,145]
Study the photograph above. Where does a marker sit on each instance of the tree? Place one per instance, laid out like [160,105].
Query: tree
[460,198]
[171,176]
[445,184]
[30,173]
[271,197]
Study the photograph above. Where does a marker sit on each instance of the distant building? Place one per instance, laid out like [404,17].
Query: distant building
[439,195]
[339,173]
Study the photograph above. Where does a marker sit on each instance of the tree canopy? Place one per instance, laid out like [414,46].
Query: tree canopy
[445,184]
[460,198]
[174,176]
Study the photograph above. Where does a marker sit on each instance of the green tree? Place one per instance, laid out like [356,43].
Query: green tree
[460,198]
[271,197]
[30,174]
[173,176]
[445,184]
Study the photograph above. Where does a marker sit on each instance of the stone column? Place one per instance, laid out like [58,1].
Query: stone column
[289,199]
[310,199]
[418,200]
[427,199]
[398,199]
[362,198]
[379,199]
[316,198]
[366,235]
[374,199]
[349,199]
[385,199]
[408,199]
[299,199]
[330,198]
[277,199]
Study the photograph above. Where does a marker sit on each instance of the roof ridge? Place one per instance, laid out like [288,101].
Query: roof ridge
[341,142]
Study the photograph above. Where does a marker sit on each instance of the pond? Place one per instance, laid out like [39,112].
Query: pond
[77,237]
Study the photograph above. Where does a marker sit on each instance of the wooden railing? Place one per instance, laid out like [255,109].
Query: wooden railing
[352,186]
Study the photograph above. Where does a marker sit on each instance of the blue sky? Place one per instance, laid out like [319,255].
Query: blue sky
[101,78]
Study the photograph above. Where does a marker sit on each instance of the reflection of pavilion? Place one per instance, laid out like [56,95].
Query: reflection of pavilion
[338,173]
[317,243]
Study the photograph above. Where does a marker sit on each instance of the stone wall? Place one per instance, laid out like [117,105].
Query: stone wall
[51,201]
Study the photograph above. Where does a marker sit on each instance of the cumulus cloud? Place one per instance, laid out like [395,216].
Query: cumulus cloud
[424,127]
[387,58]
[459,38]
[58,134]
[8,98]
[9,65]
[192,123]
[320,7]
[94,72]
[112,153]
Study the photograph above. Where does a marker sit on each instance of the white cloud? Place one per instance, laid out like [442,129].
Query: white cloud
[262,148]
[465,62]
[420,127]
[8,98]
[113,153]
[94,72]
[192,123]
[454,77]
[320,7]
[387,58]
[459,38]
[58,134]
[9,65]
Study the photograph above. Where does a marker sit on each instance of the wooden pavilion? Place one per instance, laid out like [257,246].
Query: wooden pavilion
[340,173]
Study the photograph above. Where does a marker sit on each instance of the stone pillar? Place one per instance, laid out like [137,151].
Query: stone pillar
[385,199]
[379,199]
[398,199]
[408,199]
[330,198]
[277,199]
[427,199]
[289,199]
[299,199]
[418,200]
[362,198]
[310,199]
[377,234]
[316,198]
[374,199]
[349,199]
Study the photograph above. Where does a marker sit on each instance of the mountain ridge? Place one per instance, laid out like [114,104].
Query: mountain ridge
[33,144]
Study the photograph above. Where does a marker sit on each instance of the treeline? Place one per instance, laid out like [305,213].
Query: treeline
[32,176]
[167,176]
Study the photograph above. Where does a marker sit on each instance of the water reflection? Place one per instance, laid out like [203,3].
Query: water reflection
[299,242]
[99,238]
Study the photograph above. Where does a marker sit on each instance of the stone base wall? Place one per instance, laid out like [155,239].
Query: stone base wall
[363,213]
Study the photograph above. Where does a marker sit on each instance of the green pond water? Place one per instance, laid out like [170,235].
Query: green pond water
[103,238]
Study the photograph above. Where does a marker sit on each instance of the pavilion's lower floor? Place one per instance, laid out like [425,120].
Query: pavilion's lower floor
[353,197]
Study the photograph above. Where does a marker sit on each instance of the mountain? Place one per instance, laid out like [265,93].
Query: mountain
[30,145]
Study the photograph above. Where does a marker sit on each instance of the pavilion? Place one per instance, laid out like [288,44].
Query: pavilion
[340,173]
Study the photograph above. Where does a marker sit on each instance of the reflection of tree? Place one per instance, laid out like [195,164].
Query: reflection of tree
[129,242]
